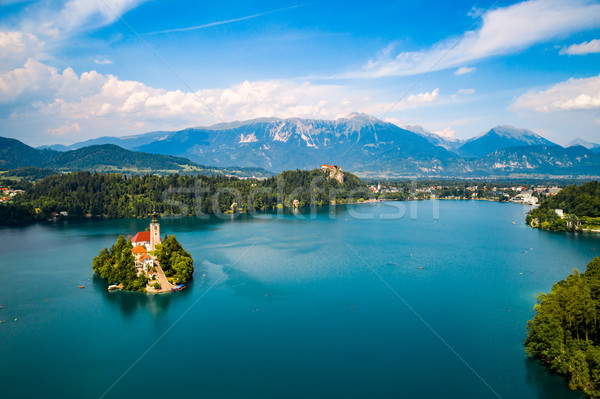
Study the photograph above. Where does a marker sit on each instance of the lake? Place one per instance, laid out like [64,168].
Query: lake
[422,299]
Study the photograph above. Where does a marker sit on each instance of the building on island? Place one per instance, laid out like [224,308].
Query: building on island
[142,239]
[149,238]
[143,242]
[154,232]
[138,250]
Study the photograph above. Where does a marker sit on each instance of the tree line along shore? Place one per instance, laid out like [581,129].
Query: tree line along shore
[81,195]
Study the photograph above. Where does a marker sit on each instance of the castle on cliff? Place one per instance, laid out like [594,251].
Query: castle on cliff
[335,172]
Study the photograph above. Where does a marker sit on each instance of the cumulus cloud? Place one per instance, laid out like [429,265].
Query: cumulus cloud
[72,105]
[503,31]
[593,46]
[463,71]
[570,95]
[426,97]
[38,82]
[15,47]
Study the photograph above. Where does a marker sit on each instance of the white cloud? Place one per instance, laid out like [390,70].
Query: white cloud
[66,128]
[81,106]
[426,97]
[466,91]
[503,31]
[103,61]
[398,122]
[475,12]
[593,46]
[463,71]
[91,13]
[15,47]
[446,132]
[39,82]
[43,27]
[570,95]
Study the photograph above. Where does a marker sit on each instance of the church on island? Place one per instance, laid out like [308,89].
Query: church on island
[150,275]
[144,242]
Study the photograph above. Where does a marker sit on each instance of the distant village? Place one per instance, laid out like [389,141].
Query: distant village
[7,193]
[530,195]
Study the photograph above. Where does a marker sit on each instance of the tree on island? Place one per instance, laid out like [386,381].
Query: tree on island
[565,334]
[174,260]
[117,265]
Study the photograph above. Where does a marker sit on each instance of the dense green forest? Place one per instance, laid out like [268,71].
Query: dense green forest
[96,195]
[174,260]
[564,334]
[117,265]
[580,204]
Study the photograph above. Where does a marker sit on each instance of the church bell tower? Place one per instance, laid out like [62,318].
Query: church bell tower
[154,231]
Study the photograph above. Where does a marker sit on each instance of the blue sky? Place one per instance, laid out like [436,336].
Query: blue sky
[77,69]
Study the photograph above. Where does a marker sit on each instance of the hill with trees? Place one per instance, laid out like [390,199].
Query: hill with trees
[109,158]
[15,154]
[579,203]
[565,333]
[81,195]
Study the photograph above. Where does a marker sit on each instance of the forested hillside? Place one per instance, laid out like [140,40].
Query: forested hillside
[579,203]
[96,195]
[108,158]
[565,333]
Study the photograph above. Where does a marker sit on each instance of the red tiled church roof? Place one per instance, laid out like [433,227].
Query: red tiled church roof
[141,236]
[144,257]
[138,249]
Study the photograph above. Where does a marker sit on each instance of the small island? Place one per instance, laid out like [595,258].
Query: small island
[145,263]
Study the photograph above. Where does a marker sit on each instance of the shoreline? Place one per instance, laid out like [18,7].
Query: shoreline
[171,216]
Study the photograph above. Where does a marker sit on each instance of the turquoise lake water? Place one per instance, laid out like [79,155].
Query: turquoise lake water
[328,304]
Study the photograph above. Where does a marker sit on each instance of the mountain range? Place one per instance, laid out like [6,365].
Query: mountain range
[486,143]
[108,158]
[358,143]
[590,146]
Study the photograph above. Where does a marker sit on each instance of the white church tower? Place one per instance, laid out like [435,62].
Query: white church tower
[154,231]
